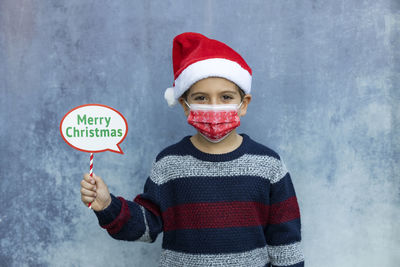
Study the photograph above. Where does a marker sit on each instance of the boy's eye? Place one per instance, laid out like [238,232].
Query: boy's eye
[227,97]
[199,98]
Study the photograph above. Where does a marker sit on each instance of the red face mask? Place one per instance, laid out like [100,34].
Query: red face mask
[214,122]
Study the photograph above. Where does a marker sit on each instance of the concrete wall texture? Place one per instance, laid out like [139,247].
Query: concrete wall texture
[326,80]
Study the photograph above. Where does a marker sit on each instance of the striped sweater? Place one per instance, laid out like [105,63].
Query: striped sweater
[232,209]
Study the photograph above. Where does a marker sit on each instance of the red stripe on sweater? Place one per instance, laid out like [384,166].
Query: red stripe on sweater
[124,215]
[148,205]
[215,215]
[284,211]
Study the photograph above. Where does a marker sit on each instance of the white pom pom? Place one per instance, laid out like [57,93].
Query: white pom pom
[169,96]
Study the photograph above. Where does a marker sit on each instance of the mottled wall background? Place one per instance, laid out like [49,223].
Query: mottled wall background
[326,80]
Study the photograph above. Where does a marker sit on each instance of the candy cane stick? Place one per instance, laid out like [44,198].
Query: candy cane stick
[91,173]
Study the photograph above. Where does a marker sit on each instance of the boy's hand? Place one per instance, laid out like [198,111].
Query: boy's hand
[95,191]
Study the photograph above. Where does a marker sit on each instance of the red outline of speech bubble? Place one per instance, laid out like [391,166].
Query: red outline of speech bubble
[95,151]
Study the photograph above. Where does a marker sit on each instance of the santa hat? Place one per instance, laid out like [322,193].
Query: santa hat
[195,57]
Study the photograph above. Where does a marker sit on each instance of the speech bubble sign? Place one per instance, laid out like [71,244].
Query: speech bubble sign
[94,128]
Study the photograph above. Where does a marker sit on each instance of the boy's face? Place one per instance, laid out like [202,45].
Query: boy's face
[215,91]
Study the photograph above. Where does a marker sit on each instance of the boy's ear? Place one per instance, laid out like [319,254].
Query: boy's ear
[185,108]
[246,102]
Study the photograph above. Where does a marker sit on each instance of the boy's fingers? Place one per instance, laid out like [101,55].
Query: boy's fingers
[87,185]
[88,193]
[88,179]
[87,200]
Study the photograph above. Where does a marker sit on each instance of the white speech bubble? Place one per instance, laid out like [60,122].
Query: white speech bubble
[94,128]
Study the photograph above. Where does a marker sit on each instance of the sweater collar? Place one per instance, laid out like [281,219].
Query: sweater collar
[195,152]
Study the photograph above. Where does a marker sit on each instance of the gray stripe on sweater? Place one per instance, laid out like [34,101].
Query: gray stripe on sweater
[175,166]
[146,235]
[285,255]
[253,258]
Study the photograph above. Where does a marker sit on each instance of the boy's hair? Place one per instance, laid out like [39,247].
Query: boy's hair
[241,92]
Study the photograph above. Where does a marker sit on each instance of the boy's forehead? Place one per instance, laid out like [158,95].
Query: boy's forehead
[210,85]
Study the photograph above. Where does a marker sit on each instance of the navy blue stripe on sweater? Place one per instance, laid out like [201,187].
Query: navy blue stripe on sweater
[282,189]
[291,230]
[234,188]
[218,240]
[300,264]
[213,189]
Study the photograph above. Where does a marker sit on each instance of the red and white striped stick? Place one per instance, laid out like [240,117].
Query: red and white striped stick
[91,173]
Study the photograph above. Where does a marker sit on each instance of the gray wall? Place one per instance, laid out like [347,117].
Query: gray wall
[325,92]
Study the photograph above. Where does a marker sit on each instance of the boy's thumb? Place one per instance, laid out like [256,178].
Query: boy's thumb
[98,179]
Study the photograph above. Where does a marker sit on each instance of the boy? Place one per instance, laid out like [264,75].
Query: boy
[220,198]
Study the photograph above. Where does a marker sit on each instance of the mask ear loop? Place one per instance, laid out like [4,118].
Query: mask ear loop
[187,104]
[238,108]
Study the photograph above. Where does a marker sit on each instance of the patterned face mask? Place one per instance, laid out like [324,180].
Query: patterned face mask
[214,122]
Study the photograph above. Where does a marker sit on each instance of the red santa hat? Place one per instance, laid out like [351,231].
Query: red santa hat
[195,57]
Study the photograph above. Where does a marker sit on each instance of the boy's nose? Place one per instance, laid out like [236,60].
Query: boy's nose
[214,101]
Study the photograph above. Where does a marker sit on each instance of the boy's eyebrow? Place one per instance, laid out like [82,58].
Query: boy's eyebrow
[226,91]
[197,93]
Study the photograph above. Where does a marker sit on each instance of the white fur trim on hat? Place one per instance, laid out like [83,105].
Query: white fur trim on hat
[169,96]
[212,67]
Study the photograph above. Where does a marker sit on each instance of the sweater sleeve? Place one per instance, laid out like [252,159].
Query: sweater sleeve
[283,231]
[137,220]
